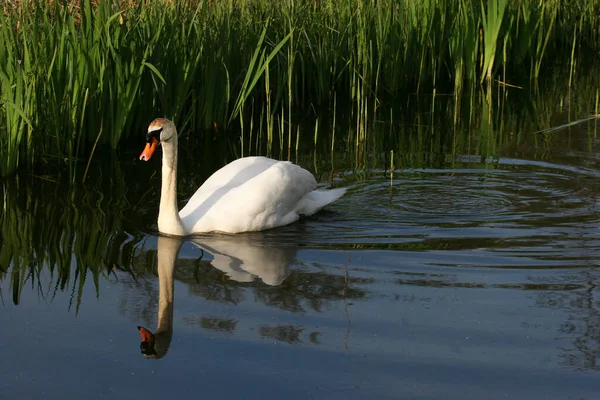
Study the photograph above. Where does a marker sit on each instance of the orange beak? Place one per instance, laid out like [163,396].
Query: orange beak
[149,150]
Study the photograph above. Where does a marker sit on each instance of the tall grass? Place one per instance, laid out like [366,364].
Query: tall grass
[539,116]
[76,76]
[55,236]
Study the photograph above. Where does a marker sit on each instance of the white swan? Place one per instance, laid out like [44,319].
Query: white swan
[248,194]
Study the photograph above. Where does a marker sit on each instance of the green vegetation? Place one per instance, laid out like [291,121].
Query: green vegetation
[58,236]
[78,75]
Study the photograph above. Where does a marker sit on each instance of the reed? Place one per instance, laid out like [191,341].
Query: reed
[78,77]
[57,236]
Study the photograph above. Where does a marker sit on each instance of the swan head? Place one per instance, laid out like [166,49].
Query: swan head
[160,131]
[153,346]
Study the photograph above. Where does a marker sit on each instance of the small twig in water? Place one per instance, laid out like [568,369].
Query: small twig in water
[568,125]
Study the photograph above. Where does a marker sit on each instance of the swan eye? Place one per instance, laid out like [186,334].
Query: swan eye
[155,134]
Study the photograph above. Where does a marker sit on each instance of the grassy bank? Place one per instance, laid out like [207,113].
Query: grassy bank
[77,76]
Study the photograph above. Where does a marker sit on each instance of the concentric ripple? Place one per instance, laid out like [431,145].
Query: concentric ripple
[518,213]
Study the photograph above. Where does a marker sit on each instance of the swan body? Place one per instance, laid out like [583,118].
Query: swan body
[248,194]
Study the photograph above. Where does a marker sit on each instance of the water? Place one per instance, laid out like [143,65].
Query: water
[464,277]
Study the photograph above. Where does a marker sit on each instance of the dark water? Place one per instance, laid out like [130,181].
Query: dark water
[467,276]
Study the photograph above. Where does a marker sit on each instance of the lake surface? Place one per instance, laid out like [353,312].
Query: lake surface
[466,276]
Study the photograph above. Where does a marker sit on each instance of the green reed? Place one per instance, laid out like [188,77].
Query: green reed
[58,236]
[78,76]
[488,128]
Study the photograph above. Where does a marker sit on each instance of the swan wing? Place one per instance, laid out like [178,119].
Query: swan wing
[231,175]
[248,195]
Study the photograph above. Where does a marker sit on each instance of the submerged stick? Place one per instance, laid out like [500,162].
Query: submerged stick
[568,125]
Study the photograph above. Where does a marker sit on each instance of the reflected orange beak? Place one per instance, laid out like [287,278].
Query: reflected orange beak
[147,336]
[147,344]
[149,150]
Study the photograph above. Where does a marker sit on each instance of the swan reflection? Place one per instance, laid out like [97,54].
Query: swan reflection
[241,258]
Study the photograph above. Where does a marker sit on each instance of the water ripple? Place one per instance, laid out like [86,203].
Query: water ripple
[521,213]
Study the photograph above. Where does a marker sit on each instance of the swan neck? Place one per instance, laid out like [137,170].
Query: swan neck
[168,214]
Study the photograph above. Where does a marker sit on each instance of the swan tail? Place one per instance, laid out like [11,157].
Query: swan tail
[317,199]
